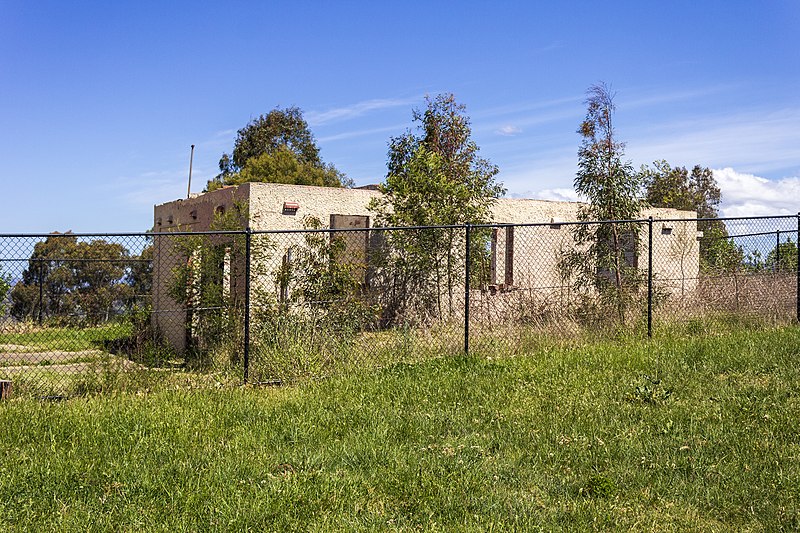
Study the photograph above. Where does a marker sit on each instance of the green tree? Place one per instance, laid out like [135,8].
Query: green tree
[605,253]
[99,291]
[718,252]
[444,129]
[282,166]
[49,275]
[697,191]
[5,287]
[277,148]
[680,189]
[783,257]
[140,274]
[435,177]
[71,281]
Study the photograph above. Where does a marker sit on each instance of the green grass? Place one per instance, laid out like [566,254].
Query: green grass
[67,339]
[680,433]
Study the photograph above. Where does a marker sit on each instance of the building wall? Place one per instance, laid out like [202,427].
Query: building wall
[267,201]
[189,214]
[530,262]
[537,249]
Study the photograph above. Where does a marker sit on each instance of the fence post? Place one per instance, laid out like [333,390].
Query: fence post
[41,289]
[650,277]
[797,265]
[247,258]
[777,251]
[466,289]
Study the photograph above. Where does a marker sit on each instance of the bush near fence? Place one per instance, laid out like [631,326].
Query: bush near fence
[93,313]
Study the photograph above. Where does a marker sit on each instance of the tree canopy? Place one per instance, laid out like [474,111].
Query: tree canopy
[613,191]
[73,281]
[678,188]
[783,257]
[276,148]
[282,166]
[604,177]
[435,177]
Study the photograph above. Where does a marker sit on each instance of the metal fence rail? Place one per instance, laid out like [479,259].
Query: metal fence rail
[83,313]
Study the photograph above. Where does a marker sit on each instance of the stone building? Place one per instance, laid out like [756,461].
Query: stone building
[524,250]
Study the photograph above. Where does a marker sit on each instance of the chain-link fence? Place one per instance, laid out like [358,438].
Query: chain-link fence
[88,313]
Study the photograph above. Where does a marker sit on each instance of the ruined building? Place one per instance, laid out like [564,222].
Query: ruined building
[522,257]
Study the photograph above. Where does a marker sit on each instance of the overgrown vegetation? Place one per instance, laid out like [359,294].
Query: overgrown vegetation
[277,147]
[321,307]
[70,281]
[320,298]
[208,281]
[5,288]
[602,265]
[680,433]
[436,177]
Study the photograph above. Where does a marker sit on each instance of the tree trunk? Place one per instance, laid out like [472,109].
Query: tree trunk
[618,274]
[5,389]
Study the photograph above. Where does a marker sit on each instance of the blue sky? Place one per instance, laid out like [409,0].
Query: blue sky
[100,101]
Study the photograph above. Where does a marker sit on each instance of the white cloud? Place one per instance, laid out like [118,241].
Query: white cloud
[508,130]
[657,97]
[518,108]
[550,170]
[555,45]
[317,118]
[743,194]
[750,195]
[151,188]
[560,195]
[750,141]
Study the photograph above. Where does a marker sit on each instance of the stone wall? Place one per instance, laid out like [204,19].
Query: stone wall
[525,257]
[186,215]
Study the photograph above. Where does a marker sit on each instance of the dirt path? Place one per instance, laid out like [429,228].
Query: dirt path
[13,358]
[72,368]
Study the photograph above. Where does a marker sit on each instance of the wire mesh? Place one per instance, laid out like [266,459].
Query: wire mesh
[327,301]
[90,313]
[557,280]
[741,267]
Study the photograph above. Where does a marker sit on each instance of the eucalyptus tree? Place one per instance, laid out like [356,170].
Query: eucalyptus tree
[605,252]
[696,190]
[436,177]
[277,147]
[72,281]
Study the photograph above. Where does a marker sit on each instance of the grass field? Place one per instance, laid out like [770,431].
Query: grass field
[678,433]
[66,338]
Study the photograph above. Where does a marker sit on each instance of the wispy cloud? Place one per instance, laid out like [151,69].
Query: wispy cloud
[529,178]
[151,188]
[666,97]
[555,45]
[531,121]
[362,133]
[318,118]
[517,108]
[751,142]
[508,130]
[221,141]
